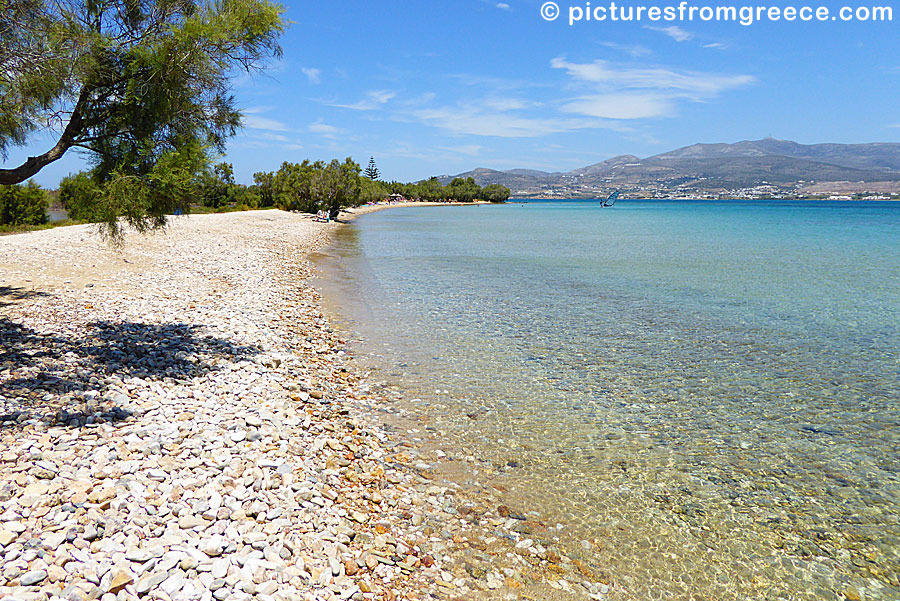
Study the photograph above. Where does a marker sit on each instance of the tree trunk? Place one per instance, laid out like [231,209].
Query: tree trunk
[32,165]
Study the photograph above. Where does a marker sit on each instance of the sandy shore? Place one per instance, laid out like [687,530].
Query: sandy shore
[178,420]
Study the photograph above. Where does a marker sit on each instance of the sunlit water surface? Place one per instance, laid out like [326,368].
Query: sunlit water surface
[706,392]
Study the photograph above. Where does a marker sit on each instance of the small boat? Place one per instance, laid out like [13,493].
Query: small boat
[610,200]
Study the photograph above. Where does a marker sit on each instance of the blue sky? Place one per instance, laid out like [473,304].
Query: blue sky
[435,87]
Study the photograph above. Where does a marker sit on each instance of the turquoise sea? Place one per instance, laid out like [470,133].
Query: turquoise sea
[708,393]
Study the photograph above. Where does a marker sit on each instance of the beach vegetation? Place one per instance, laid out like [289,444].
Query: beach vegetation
[313,186]
[495,193]
[217,187]
[458,190]
[430,190]
[337,186]
[263,186]
[23,204]
[80,195]
[142,201]
[373,191]
[293,186]
[463,190]
[141,87]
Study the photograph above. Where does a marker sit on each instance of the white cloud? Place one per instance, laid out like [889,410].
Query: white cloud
[475,119]
[312,74]
[254,121]
[673,31]
[635,50]
[372,101]
[630,105]
[420,100]
[616,92]
[496,84]
[264,140]
[503,6]
[467,149]
[693,84]
[323,129]
[507,104]
[716,45]
[381,96]
[602,95]
[274,137]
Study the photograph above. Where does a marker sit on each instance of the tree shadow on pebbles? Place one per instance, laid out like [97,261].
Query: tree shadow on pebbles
[65,378]
[11,294]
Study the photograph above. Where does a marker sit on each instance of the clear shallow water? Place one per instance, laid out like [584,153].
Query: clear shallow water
[707,393]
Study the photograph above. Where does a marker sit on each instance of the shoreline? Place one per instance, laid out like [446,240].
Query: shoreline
[508,548]
[179,419]
[356,212]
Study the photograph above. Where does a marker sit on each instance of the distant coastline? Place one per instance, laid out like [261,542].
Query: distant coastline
[626,196]
[766,169]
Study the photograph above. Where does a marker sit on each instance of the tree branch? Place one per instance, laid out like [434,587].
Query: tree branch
[69,137]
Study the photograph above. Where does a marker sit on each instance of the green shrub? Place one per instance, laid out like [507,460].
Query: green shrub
[495,193]
[371,191]
[23,205]
[80,195]
[139,200]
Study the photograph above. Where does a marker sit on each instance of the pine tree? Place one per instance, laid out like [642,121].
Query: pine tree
[372,171]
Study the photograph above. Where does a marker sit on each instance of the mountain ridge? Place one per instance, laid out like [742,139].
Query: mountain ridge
[749,168]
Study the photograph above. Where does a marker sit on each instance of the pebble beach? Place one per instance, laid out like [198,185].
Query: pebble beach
[179,420]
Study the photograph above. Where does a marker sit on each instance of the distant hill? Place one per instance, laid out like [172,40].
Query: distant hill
[856,156]
[768,167]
